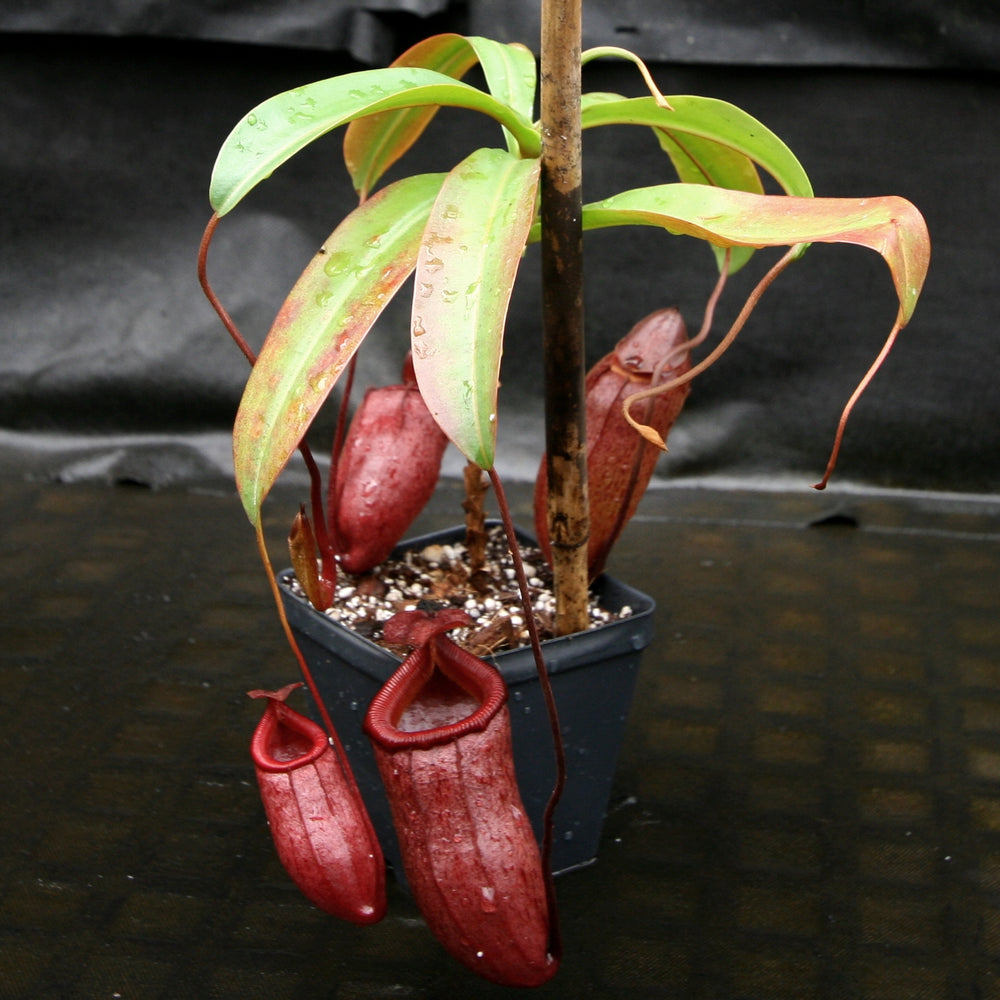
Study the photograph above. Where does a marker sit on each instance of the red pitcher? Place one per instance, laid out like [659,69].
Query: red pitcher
[319,823]
[441,733]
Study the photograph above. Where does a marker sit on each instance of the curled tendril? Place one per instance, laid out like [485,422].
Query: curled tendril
[613,51]
[651,435]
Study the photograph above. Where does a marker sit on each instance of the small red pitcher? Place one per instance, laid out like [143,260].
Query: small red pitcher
[318,820]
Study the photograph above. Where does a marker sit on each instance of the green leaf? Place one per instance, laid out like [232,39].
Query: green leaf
[718,122]
[374,143]
[890,225]
[468,260]
[698,160]
[598,97]
[282,125]
[511,77]
[704,161]
[320,326]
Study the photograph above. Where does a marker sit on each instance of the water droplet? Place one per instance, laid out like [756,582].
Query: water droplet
[293,115]
[425,290]
[451,212]
[433,264]
[418,329]
[374,242]
[336,264]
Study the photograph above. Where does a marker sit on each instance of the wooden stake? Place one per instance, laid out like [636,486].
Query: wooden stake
[562,303]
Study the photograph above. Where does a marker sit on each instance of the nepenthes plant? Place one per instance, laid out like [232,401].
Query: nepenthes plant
[456,240]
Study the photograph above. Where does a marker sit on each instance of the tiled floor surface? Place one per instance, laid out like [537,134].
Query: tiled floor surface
[807,804]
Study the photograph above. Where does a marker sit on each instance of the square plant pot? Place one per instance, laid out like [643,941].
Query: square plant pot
[593,677]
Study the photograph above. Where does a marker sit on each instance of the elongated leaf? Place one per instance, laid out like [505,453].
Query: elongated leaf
[704,161]
[465,272]
[320,326]
[698,160]
[277,129]
[709,119]
[374,143]
[890,225]
[511,77]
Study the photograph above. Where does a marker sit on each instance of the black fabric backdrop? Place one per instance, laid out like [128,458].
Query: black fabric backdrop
[113,365]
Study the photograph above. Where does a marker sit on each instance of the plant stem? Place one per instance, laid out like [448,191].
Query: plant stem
[558,747]
[562,303]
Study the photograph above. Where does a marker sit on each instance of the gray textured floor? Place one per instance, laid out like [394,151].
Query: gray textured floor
[807,804]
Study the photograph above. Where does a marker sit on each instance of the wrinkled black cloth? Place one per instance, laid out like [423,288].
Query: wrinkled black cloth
[961,34]
[108,343]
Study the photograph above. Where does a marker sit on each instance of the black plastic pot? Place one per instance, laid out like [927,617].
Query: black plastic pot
[593,678]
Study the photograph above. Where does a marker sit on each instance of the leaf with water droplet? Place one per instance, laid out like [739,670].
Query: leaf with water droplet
[457,367]
[375,142]
[336,102]
[319,327]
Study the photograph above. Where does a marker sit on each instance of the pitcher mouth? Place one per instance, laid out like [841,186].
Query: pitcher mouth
[286,740]
[416,676]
